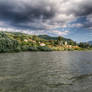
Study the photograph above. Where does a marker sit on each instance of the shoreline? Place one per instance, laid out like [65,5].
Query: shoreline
[47,51]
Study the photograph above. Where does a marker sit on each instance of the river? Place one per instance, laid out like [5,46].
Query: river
[64,71]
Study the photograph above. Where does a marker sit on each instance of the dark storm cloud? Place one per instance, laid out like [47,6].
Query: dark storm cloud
[43,14]
[29,13]
[16,14]
[83,8]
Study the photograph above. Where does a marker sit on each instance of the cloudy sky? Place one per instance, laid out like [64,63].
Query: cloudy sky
[68,18]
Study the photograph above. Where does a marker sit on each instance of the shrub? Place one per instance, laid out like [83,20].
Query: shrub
[44,48]
[25,48]
[18,49]
[33,48]
[8,45]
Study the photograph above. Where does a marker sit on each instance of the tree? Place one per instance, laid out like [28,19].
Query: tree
[7,45]
[59,38]
[60,41]
[84,45]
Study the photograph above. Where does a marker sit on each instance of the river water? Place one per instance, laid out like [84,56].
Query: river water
[46,71]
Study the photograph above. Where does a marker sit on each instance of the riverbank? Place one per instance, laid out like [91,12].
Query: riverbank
[49,50]
[16,42]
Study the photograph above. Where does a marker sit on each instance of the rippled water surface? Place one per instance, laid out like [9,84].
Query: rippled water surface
[46,72]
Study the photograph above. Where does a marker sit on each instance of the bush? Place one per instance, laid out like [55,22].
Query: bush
[25,48]
[33,48]
[18,49]
[44,48]
[8,45]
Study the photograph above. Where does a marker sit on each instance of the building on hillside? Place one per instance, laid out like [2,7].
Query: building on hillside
[42,44]
[76,47]
[69,46]
[30,40]
[66,43]
[34,41]
[25,40]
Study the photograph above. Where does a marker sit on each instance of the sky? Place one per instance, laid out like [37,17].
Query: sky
[67,18]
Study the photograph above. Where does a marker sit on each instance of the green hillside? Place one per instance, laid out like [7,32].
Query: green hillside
[14,42]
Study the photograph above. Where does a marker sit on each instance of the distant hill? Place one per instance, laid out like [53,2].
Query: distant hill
[46,37]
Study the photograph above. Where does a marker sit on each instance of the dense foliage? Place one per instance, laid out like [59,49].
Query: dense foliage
[7,44]
[85,45]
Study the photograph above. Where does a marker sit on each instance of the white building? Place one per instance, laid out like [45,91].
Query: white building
[65,42]
[25,40]
[42,44]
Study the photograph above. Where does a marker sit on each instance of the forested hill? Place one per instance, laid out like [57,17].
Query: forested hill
[47,37]
[53,38]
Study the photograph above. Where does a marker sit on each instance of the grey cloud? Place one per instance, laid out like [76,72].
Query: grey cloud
[28,13]
[21,12]
[83,8]
[41,14]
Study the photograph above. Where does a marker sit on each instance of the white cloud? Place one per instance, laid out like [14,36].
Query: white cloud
[39,32]
[58,32]
[76,25]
